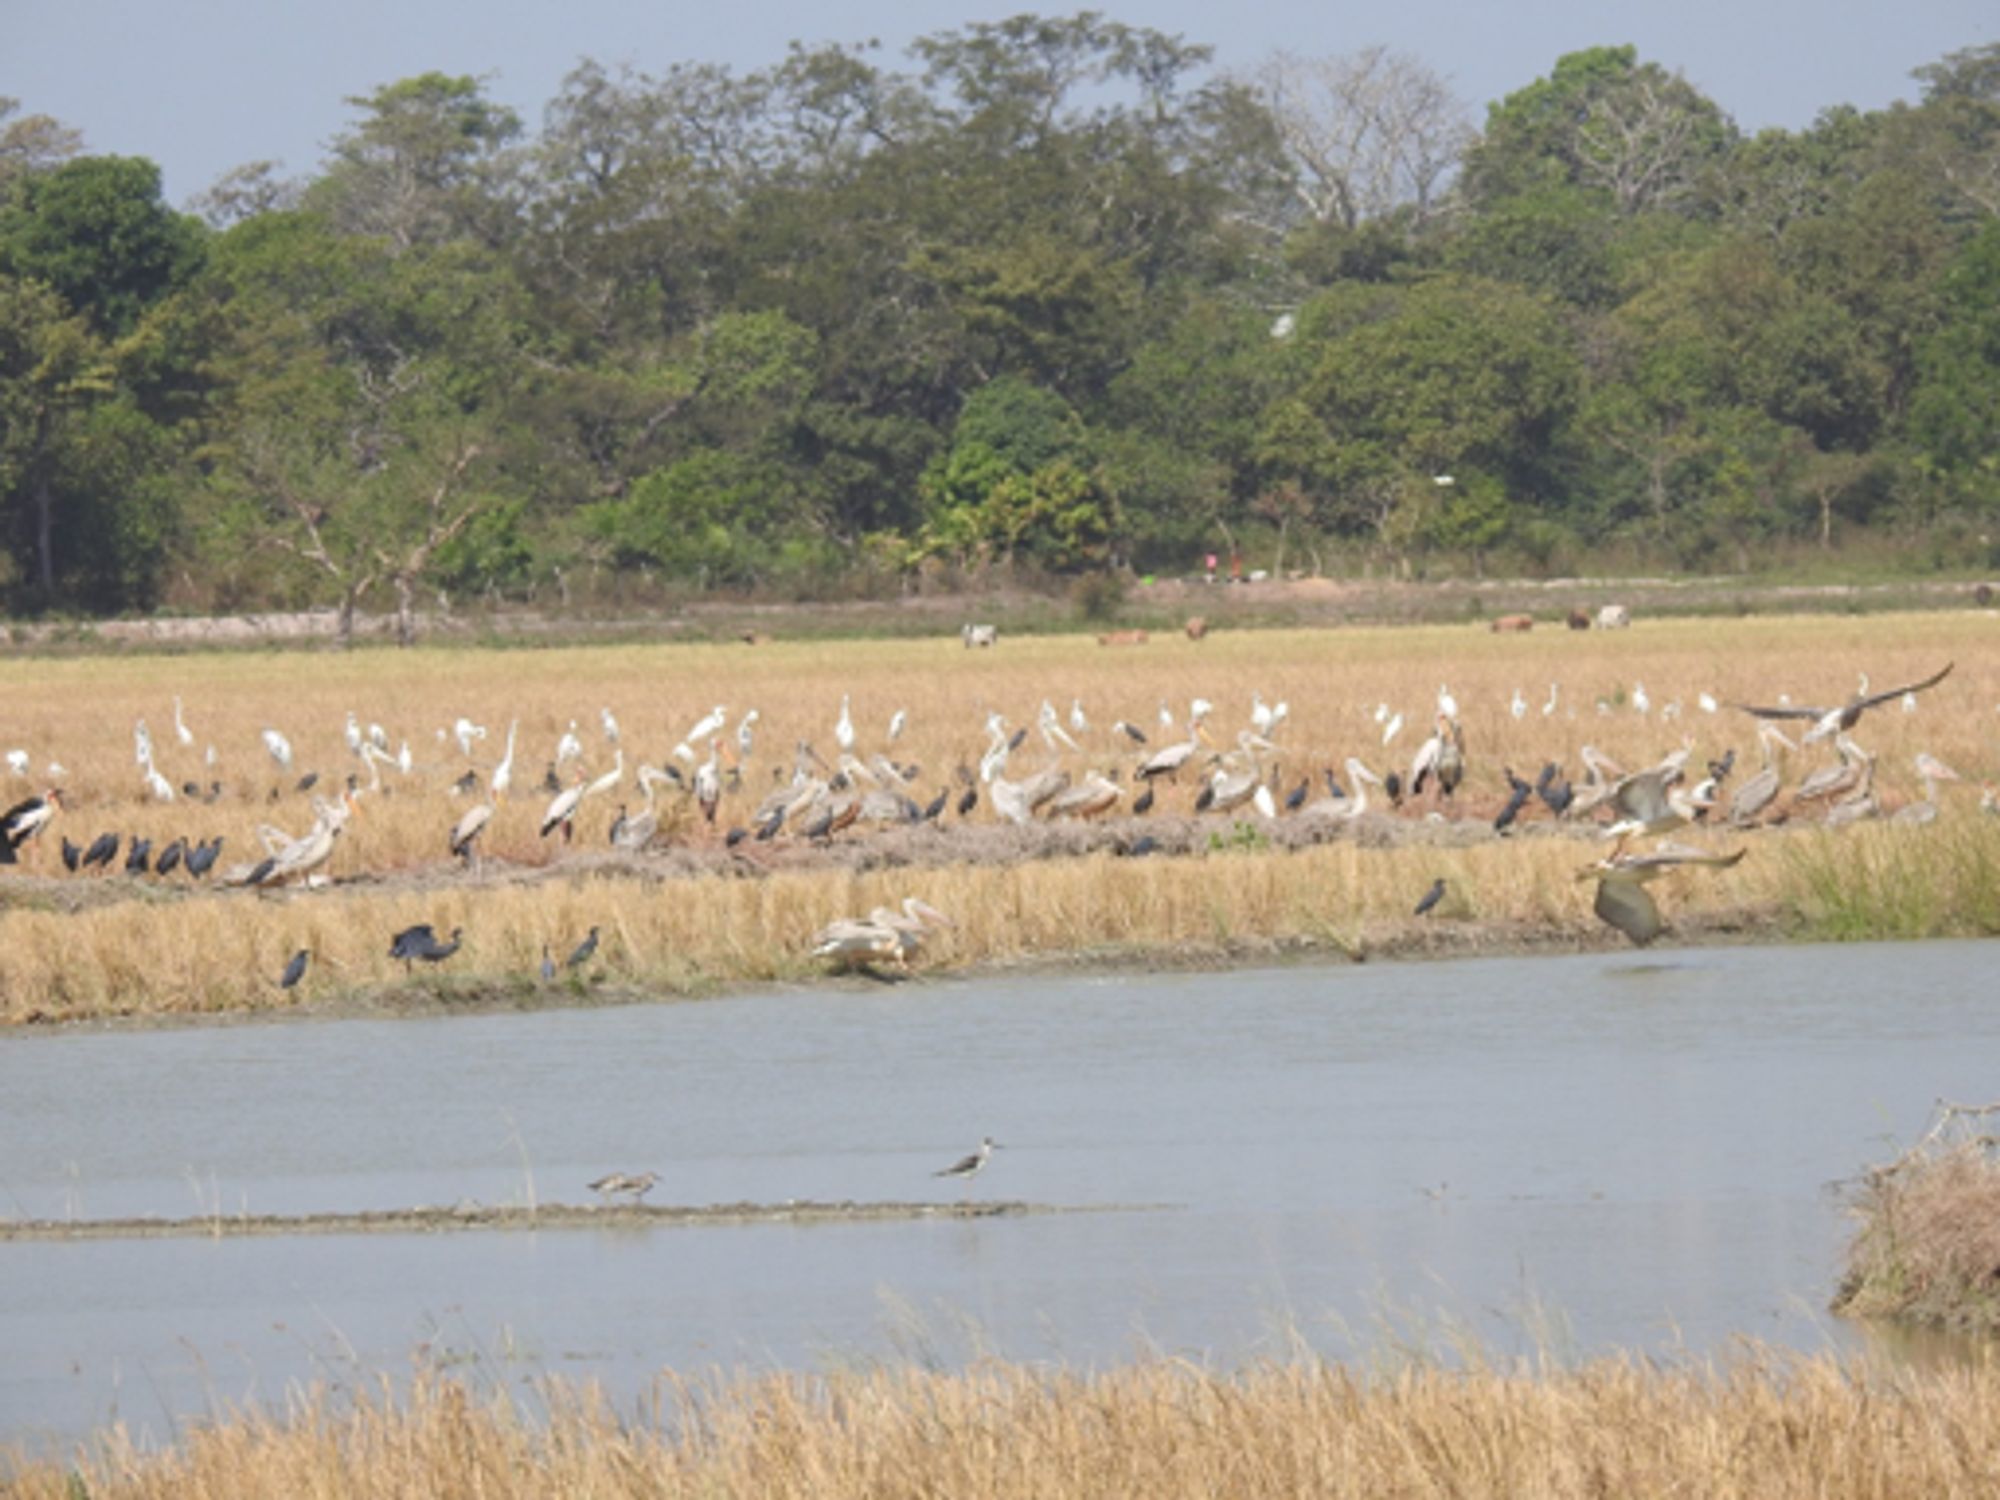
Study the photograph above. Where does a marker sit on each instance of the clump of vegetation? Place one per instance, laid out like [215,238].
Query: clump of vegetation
[1764,1425]
[1928,1249]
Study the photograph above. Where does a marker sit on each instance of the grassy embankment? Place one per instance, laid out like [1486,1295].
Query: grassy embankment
[1927,1249]
[1766,1428]
[72,947]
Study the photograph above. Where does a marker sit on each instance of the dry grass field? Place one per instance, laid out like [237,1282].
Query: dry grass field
[1764,1428]
[74,946]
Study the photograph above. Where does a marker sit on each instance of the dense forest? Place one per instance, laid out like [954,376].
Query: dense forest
[1052,297]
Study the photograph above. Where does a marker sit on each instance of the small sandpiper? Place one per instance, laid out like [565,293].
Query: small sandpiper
[969,1166]
[638,1185]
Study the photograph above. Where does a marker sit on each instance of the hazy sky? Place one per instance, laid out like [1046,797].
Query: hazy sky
[201,86]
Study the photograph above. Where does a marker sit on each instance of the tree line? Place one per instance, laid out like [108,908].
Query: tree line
[1053,297]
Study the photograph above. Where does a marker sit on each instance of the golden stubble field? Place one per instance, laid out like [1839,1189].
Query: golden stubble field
[144,952]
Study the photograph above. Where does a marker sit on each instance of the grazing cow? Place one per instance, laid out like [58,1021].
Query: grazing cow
[1579,618]
[1504,624]
[1613,617]
[1123,638]
[980,635]
[1197,627]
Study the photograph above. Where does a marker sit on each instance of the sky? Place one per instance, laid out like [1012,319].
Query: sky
[201,86]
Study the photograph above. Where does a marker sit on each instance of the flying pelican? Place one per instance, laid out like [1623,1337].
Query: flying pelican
[1622,898]
[1830,722]
[1932,771]
[884,934]
[1603,775]
[1651,802]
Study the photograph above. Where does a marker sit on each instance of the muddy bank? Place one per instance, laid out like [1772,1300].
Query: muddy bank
[483,1216]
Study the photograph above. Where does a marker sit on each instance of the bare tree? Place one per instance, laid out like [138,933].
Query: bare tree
[1645,142]
[1370,132]
[447,511]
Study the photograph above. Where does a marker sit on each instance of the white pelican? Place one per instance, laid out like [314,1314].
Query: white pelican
[1345,806]
[1622,898]
[503,774]
[181,732]
[843,728]
[1830,722]
[1091,797]
[1753,796]
[855,942]
[1859,802]
[280,748]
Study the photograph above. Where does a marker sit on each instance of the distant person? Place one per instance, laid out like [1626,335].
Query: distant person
[1211,567]
[1235,566]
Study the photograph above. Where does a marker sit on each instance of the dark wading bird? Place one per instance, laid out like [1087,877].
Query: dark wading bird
[1516,800]
[583,951]
[1622,898]
[1431,897]
[421,942]
[171,857]
[1827,722]
[295,970]
[72,855]
[201,858]
[103,849]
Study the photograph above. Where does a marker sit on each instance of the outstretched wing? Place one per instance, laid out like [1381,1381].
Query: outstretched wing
[1785,713]
[1915,687]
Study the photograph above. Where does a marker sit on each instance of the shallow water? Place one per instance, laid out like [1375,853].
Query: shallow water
[1604,1151]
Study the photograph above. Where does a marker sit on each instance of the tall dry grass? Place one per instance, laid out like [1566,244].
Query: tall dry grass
[1762,1428]
[223,951]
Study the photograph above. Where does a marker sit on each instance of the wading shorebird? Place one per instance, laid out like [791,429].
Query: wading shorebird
[637,1184]
[968,1167]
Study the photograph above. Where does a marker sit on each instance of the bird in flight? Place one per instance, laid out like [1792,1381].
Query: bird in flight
[1827,722]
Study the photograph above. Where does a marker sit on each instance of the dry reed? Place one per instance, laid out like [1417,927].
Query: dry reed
[222,951]
[1766,1426]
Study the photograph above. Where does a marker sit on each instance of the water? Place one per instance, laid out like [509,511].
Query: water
[1598,1152]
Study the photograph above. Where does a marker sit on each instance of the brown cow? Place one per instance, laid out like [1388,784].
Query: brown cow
[1504,623]
[1197,627]
[1579,618]
[1123,638]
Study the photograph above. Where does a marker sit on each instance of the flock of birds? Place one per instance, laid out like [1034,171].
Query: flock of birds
[1081,773]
